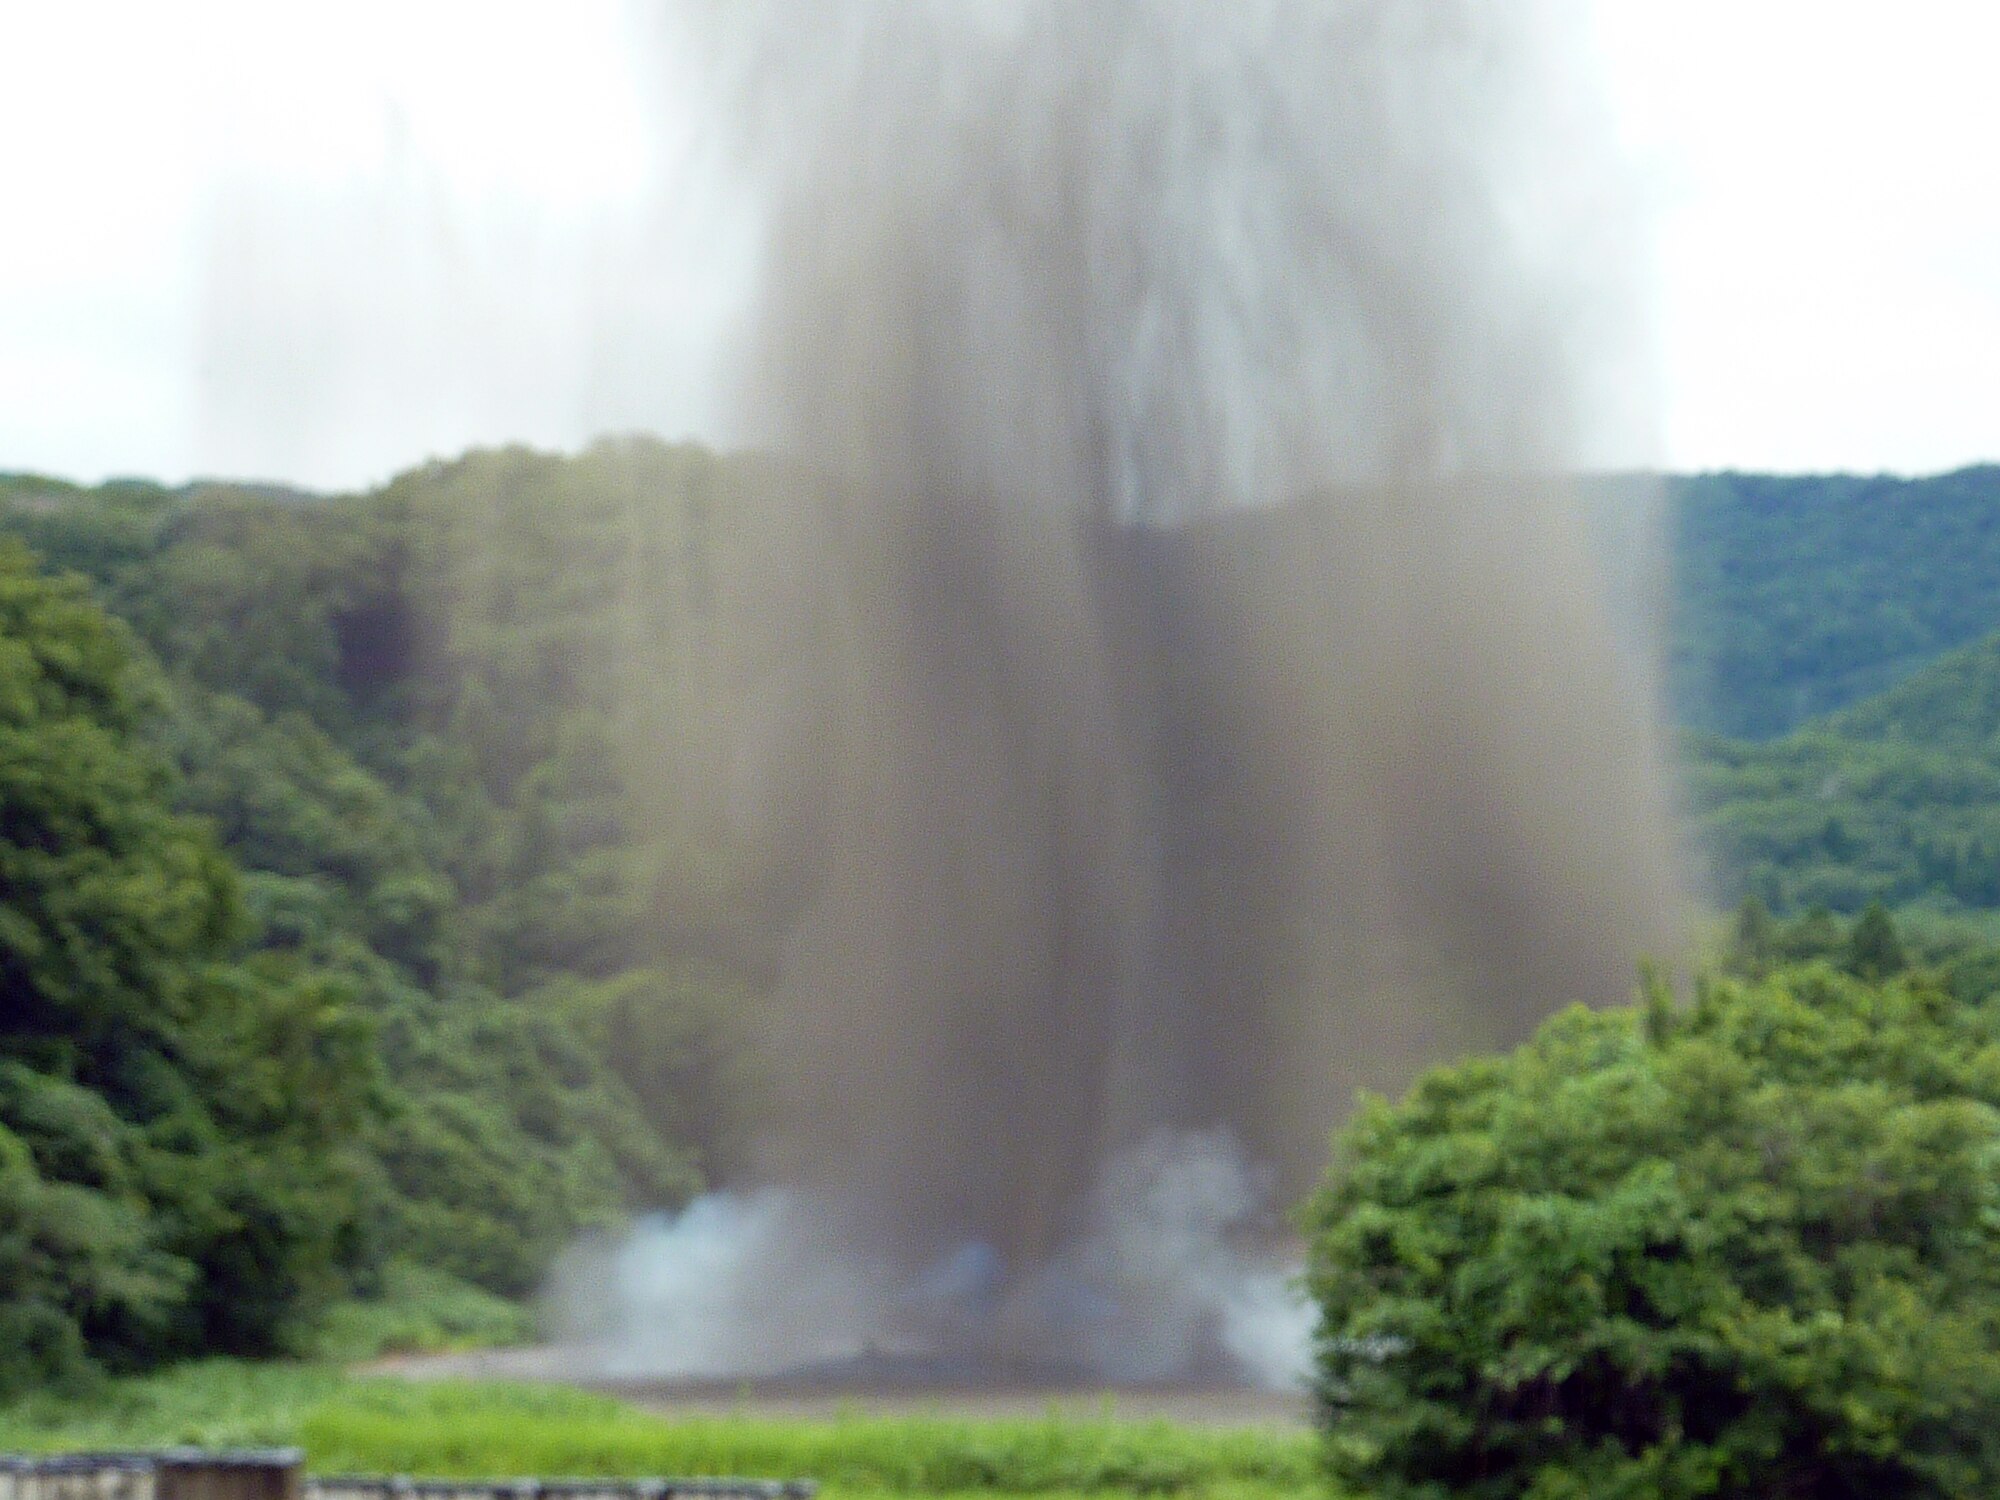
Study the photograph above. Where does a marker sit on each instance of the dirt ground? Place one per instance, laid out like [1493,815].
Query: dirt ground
[1208,1408]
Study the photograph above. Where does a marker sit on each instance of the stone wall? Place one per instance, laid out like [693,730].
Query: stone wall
[278,1474]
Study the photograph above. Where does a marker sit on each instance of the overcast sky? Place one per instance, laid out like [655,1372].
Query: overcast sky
[523,238]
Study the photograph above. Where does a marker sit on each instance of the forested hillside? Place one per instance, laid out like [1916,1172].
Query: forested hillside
[390,893]
[364,810]
[182,1107]
[1896,799]
[1831,654]
[1795,595]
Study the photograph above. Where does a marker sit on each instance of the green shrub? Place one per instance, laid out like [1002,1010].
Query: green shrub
[1750,1248]
[419,1310]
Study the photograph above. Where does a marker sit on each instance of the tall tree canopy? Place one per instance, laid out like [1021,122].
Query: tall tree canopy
[1750,1247]
[176,1125]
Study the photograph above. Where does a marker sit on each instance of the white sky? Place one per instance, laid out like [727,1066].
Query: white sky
[1825,174]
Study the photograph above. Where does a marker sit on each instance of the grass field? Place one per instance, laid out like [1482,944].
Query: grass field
[349,1424]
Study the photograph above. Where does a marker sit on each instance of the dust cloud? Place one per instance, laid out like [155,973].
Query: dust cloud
[1229,710]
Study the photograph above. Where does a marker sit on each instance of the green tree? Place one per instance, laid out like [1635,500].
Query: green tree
[1752,938]
[173,1125]
[1874,949]
[1755,1252]
[426,723]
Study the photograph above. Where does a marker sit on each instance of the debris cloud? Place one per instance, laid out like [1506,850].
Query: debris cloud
[1228,709]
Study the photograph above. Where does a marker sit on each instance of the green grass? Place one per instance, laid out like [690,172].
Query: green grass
[487,1429]
[214,1403]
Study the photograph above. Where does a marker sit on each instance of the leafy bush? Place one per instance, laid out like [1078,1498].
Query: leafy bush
[419,1310]
[1748,1248]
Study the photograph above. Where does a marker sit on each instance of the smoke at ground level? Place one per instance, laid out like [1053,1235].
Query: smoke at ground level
[1169,1281]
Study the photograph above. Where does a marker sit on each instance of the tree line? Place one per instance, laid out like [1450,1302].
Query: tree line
[332,1006]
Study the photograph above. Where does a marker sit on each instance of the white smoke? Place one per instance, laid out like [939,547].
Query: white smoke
[1172,1279]
[734,1284]
[1168,1283]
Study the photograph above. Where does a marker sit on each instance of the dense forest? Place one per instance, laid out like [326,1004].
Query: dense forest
[379,915]
[1894,799]
[1795,595]
[354,782]
[1832,661]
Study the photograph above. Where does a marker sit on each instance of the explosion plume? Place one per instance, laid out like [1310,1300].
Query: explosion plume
[1210,700]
